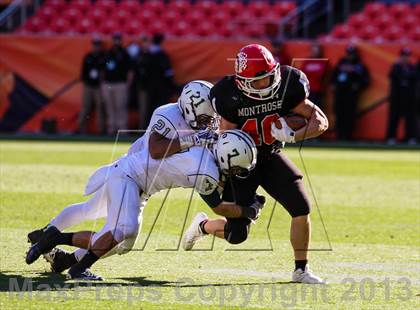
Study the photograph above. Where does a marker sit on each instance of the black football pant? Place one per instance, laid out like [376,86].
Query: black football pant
[280,178]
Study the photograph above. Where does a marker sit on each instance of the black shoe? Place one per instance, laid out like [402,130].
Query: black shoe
[46,244]
[60,260]
[36,235]
[260,198]
[85,275]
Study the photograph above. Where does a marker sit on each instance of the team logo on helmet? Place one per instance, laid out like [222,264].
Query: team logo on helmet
[267,55]
[241,62]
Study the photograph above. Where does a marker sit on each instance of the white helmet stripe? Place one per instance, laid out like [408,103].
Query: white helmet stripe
[248,140]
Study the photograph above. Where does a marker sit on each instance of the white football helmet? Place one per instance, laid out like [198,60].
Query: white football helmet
[196,108]
[236,153]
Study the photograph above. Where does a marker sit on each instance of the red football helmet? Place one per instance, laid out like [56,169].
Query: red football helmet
[255,62]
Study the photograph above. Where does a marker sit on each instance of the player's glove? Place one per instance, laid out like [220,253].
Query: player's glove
[200,138]
[277,146]
[285,133]
[253,212]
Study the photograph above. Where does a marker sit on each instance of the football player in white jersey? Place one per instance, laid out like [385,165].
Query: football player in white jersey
[122,188]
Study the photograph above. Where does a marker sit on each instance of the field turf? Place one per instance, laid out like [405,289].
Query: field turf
[369,201]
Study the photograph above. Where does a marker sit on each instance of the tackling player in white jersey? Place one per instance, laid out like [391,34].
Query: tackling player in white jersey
[177,134]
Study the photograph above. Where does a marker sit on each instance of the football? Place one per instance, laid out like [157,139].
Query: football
[294,121]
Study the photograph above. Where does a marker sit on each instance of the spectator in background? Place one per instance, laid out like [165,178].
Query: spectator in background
[349,78]
[133,50]
[315,68]
[418,102]
[277,51]
[402,98]
[159,76]
[142,64]
[118,76]
[91,79]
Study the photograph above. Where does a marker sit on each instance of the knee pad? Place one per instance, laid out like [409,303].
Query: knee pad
[125,232]
[234,233]
[126,245]
[130,233]
[121,248]
[126,239]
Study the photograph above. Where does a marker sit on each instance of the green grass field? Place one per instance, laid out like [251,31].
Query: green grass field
[368,199]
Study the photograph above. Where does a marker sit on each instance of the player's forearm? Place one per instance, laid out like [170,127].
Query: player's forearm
[317,124]
[163,148]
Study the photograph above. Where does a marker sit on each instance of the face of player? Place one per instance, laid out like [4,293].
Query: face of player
[261,83]
[204,121]
[239,172]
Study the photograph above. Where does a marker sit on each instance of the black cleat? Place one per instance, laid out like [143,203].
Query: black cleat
[260,198]
[35,236]
[60,260]
[46,244]
[85,275]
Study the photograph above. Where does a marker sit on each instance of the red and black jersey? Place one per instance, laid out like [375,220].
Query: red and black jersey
[256,116]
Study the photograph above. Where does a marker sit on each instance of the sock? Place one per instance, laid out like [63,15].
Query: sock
[201,225]
[71,260]
[88,260]
[65,238]
[52,237]
[300,264]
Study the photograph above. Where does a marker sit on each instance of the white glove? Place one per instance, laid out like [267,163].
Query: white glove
[285,134]
[201,138]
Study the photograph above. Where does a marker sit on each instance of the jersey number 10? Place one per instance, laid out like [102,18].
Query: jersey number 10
[251,127]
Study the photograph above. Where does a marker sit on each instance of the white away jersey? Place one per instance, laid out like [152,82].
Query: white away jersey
[192,168]
[166,120]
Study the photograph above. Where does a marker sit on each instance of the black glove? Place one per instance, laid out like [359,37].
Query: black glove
[253,211]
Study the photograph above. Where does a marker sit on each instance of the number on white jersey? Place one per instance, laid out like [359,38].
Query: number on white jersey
[162,126]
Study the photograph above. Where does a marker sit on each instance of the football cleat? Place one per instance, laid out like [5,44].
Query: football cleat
[35,236]
[193,233]
[83,275]
[60,260]
[306,276]
[46,244]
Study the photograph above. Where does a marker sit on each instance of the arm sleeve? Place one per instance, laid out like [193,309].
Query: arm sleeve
[213,199]
[208,188]
[303,88]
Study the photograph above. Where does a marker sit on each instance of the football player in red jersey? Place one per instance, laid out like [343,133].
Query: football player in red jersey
[256,99]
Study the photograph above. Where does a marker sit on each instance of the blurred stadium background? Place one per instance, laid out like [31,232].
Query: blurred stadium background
[42,45]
